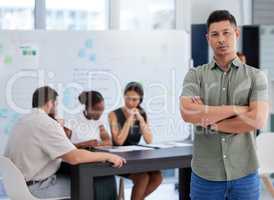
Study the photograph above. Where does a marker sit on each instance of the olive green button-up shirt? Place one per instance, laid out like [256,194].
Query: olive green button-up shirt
[220,156]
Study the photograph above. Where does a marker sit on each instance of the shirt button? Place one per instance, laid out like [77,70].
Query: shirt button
[224,73]
[224,89]
[224,156]
[223,139]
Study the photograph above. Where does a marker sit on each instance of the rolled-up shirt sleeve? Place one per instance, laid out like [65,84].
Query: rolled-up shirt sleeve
[191,84]
[259,91]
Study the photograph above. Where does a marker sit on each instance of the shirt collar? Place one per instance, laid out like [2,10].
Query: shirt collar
[83,117]
[235,63]
[39,110]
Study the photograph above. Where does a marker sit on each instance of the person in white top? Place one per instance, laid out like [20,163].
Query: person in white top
[38,144]
[87,129]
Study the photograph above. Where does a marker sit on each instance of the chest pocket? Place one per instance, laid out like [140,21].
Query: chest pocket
[210,92]
[240,91]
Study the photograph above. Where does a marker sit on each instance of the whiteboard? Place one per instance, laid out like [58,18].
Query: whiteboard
[105,61]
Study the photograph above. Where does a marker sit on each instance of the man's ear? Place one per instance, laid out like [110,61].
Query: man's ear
[207,37]
[238,32]
[49,105]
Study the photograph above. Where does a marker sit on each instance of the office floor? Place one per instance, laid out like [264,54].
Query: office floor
[164,192]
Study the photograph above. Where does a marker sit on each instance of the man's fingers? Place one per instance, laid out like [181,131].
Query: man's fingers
[119,162]
[200,101]
[194,99]
[197,100]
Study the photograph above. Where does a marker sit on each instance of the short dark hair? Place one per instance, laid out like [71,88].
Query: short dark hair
[43,95]
[239,54]
[90,98]
[221,15]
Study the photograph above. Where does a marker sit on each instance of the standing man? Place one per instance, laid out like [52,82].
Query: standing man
[38,144]
[226,101]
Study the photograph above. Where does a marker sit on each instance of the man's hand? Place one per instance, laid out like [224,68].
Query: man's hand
[197,100]
[92,143]
[206,122]
[117,161]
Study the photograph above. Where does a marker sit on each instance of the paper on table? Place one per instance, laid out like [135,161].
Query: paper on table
[180,144]
[168,145]
[124,148]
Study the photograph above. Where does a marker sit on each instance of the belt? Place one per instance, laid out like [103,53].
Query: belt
[32,182]
[29,183]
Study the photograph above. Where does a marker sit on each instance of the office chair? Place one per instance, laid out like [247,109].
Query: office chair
[121,193]
[14,182]
[265,149]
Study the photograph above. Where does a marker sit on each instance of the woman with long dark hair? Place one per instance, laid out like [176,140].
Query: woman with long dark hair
[128,124]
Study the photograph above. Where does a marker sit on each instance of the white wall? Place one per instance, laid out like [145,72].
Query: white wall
[241,9]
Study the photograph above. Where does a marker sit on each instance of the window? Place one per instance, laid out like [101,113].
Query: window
[16,14]
[147,14]
[77,15]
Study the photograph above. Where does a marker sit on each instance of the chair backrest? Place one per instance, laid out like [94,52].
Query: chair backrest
[265,152]
[14,181]
[121,194]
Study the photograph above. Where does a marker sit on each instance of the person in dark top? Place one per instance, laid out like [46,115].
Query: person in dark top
[128,124]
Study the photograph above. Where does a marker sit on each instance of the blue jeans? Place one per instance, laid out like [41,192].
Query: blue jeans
[246,188]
